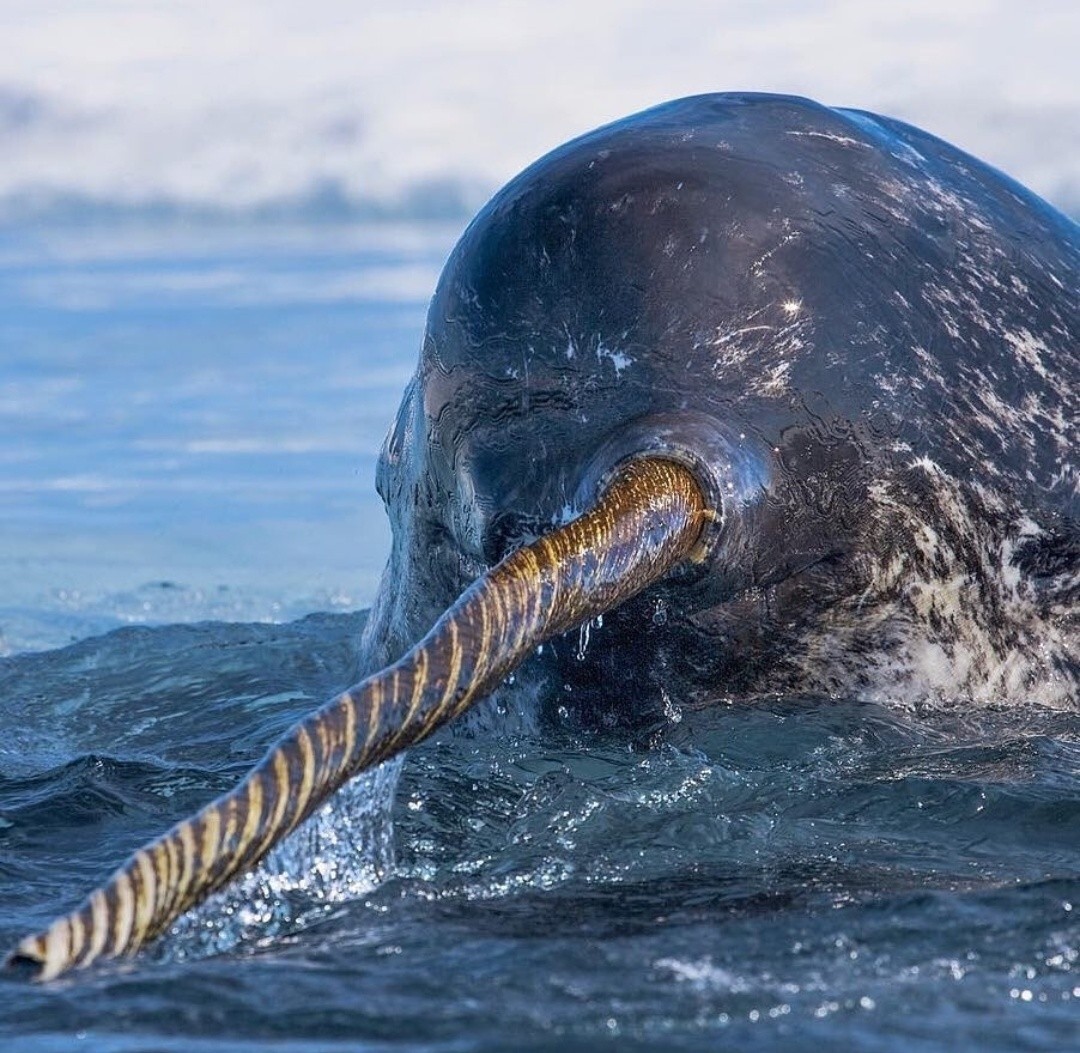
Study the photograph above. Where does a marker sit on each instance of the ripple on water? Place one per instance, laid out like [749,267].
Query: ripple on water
[792,874]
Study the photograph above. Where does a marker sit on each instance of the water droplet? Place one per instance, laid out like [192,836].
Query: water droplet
[582,641]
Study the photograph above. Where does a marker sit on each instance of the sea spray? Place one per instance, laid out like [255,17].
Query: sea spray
[341,853]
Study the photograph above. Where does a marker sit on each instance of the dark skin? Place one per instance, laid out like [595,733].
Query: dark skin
[809,301]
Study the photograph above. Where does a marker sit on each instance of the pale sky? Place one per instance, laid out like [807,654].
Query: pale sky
[256,101]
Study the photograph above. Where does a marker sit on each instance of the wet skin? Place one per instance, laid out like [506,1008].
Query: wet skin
[854,332]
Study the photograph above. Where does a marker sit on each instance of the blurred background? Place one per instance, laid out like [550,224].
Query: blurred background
[220,225]
[423,107]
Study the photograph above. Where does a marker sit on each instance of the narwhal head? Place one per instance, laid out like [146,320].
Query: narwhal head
[610,302]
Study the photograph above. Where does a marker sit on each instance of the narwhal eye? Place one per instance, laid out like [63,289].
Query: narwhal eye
[396,445]
[383,476]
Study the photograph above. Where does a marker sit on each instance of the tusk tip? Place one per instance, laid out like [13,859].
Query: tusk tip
[29,960]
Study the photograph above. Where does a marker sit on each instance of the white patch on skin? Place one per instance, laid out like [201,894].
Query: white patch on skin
[775,380]
[1011,580]
[731,346]
[929,367]
[942,604]
[619,359]
[1029,348]
[930,623]
[843,140]
[770,338]
[897,384]
[789,236]
[978,305]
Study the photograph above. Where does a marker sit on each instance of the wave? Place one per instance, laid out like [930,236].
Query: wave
[324,112]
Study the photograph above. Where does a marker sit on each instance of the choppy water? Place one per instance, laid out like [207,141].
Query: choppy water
[194,425]
[777,877]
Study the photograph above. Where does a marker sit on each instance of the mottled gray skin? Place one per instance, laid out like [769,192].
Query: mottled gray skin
[864,339]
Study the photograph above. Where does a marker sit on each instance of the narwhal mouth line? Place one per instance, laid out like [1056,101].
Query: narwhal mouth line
[652,514]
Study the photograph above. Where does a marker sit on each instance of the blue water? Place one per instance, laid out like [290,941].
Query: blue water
[188,534]
[191,419]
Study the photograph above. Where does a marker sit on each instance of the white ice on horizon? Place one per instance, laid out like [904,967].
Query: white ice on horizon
[244,105]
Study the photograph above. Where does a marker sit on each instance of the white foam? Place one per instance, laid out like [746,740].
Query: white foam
[427,107]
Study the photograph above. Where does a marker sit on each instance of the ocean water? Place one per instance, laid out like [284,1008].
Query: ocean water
[216,250]
[192,416]
[772,878]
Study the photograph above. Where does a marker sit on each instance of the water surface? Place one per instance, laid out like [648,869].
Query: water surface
[776,877]
[192,415]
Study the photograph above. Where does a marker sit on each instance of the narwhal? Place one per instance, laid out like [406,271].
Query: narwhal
[787,394]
